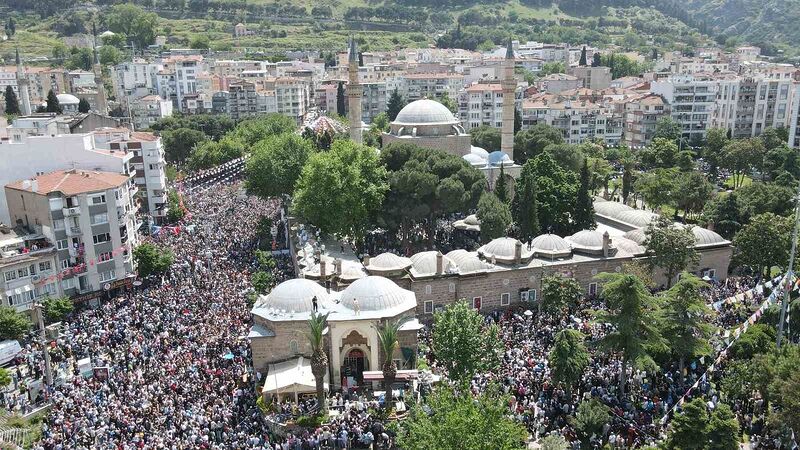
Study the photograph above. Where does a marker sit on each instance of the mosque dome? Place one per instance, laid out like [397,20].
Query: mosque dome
[498,158]
[479,151]
[467,262]
[474,160]
[376,293]
[550,246]
[425,112]
[629,246]
[504,250]
[387,263]
[610,209]
[294,295]
[638,235]
[707,238]
[67,99]
[587,241]
[637,217]
[424,263]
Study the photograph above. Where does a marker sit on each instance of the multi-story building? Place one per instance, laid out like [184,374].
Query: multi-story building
[592,77]
[642,113]
[416,86]
[325,96]
[558,82]
[578,120]
[148,163]
[51,124]
[692,99]
[149,110]
[242,100]
[481,104]
[292,97]
[373,100]
[746,106]
[91,216]
[28,267]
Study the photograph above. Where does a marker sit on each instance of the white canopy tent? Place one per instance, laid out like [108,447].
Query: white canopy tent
[291,377]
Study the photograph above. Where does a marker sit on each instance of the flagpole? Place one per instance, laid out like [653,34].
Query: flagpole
[789,273]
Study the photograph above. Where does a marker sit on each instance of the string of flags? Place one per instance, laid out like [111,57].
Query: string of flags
[79,268]
[730,337]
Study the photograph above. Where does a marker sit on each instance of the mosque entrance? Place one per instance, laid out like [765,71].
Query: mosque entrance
[353,367]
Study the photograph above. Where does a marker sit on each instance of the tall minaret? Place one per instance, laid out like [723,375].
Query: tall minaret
[354,94]
[22,88]
[100,99]
[509,86]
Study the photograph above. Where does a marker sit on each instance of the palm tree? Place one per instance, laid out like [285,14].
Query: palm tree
[319,359]
[387,335]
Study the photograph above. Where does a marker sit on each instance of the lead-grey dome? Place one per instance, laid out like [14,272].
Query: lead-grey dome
[425,112]
[294,295]
[550,246]
[378,294]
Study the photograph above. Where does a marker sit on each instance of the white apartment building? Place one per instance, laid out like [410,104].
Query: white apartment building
[746,106]
[578,121]
[592,77]
[416,86]
[35,155]
[90,215]
[642,113]
[28,267]
[481,104]
[692,100]
[51,124]
[292,97]
[148,110]
[794,118]
[373,100]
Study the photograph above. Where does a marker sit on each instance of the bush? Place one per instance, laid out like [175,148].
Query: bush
[151,259]
[56,309]
[311,421]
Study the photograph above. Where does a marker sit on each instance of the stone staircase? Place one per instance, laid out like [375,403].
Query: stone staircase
[10,438]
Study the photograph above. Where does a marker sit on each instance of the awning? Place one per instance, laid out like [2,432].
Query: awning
[291,376]
[402,375]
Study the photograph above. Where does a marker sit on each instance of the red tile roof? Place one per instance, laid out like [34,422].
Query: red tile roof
[72,182]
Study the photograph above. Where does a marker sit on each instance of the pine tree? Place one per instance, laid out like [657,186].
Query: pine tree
[12,103]
[655,54]
[582,61]
[501,186]
[53,106]
[517,121]
[395,104]
[596,61]
[584,210]
[83,106]
[340,108]
[524,207]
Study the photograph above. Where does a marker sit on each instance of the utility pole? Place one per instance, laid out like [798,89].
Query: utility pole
[787,288]
[48,372]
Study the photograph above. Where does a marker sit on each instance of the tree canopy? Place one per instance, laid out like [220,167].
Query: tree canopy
[531,142]
[151,259]
[764,242]
[494,215]
[275,164]
[670,248]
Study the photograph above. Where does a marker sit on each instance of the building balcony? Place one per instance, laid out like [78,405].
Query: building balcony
[73,231]
[73,211]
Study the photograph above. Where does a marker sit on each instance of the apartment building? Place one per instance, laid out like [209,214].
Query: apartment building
[247,99]
[578,120]
[51,124]
[746,106]
[592,77]
[373,100]
[642,113]
[148,110]
[28,267]
[90,215]
[692,100]
[481,104]
[558,82]
[292,97]
[416,86]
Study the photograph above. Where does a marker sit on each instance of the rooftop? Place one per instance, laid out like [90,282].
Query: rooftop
[70,182]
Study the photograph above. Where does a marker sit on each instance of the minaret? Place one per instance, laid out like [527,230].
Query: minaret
[100,99]
[509,86]
[354,94]
[22,88]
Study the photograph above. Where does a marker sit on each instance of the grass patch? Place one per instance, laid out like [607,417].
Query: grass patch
[746,181]
[33,424]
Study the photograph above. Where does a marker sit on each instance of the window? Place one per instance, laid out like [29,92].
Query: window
[22,272]
[56,204]
[100,238]
[532,295]
[294,347]
[98,219]
[107,276]
[45,265]
[476,302]
[58,224]
[428,305]
[46,290]
[505,299]
[68,283]
[62,244]
[105,256]
[428,289]
[592,288]
[451,288]
[11,275]
[98,199]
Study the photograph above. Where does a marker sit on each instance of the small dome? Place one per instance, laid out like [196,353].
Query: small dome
[425,112]
[351,271]
[467,262]
[388,262]
[637,217]
[638,236]
[610,209]
[587,241]
[629,246]
[504,250]
[424,264]
[326,125]
[479,151]
[498,158]
[470,223]
[67,99]
[472,219]
[107,33]
[551,246]
[474,160]
[294,295]
[707,238]
[378,294]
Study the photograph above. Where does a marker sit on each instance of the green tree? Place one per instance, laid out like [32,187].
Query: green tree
[524,205]
[83,106]
[759,338]
[531,142]
[5,378]
[448,102]
[688,428]
[110,55]
[387,337]
[556,195]
[740,156]
[57,309]
[13,325]
[764,242]
[667,128]
[53,106]
[355,174]
[250,132]
[590,419]
[722,213]
[691,191]
[200,42]
[559,293]
[596,62]
[494,215]
[175,211]
[395,104]
[670,248]
[275,165]
[627,182]
[319,359]
[485,137]
[554,441]
[661,153]
[723,429]
[584,209]
[463,344]
[501,186]
[208,154]
[683,322]
[11,102]
[466,422]
[568,156]
[133,23]
[180,142]
[151,259]
[381,122]
[341,108]
[262,281]
[568,358]
[582,61]
[716,140]
[632,315]
[784,390]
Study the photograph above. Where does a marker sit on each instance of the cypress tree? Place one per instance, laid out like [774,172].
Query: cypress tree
[582,61]
[12,103]
[596,62]
[501,186]
[524,206]
[83,106]
[584,210]
[627,183]
[395,104]
[340,108]
[52,103]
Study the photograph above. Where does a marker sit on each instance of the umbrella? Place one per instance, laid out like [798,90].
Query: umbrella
[228,356]
[528,313]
